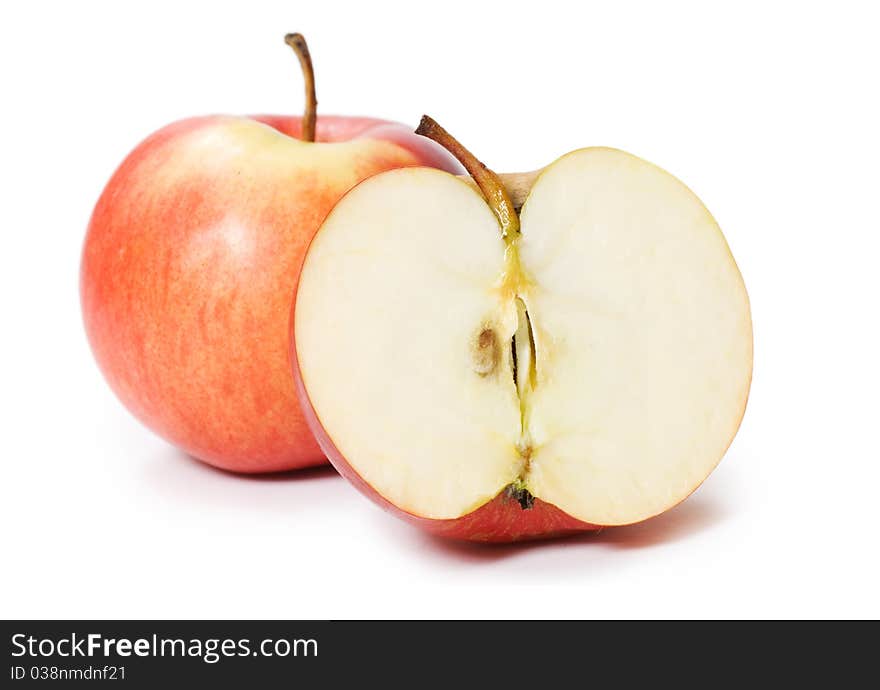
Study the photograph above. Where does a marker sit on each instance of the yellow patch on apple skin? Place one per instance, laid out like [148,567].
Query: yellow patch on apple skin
[262,153]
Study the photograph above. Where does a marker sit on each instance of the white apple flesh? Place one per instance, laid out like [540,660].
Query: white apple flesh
[598,362]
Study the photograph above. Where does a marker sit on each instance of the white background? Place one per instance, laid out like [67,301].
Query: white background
[769,111]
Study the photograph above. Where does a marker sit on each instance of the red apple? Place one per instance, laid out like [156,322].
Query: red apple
[190,264]
[495,369]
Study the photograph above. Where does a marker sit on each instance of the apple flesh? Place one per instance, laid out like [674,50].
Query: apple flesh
[189,267]
[587,369]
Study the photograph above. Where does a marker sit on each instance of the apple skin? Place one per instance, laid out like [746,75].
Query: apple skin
[500,520]
[190,264]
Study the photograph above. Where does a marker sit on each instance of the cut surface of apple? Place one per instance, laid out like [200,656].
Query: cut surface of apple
[598,360]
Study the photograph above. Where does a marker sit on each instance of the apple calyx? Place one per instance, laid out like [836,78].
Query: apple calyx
[517,491]
[310,115]
[485,351]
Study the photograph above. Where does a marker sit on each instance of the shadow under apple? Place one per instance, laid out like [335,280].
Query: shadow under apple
[183,478]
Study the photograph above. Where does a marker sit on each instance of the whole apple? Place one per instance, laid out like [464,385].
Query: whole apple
[191,261]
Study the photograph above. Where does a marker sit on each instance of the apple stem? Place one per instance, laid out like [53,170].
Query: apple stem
[310,115]
[488,182]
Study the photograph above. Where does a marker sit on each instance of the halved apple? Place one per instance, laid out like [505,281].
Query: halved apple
[494,375]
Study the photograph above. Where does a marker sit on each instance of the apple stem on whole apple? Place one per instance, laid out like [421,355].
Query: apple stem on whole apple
[310,115]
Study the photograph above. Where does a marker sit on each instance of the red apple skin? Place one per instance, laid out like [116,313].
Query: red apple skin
[190,264]
[500,520]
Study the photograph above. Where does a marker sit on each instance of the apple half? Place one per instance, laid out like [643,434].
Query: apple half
[496,374]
